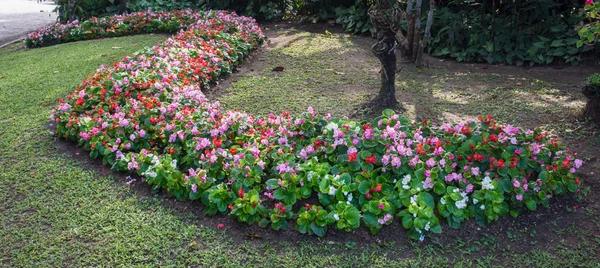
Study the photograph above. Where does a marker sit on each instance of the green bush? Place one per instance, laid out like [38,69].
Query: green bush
[522,32]
[593,86]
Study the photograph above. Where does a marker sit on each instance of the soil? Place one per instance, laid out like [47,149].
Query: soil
[542,223]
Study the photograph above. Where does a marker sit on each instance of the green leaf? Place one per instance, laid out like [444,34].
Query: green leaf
[279,194]
[439,188]
[436,229]
[514,213]
[407,222]
[353,217]
[531,205]
[388,112]
[364,187]
[318,230]
[273,183]
[424,196]
[572,187]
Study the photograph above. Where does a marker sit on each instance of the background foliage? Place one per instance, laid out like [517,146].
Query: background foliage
[519,32]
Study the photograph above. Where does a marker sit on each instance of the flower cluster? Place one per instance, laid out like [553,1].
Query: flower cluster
[147,115]
[113,26]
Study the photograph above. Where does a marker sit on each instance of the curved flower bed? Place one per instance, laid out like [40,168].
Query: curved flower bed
[147,114]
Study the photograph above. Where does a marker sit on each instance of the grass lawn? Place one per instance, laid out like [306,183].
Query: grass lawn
[57,209]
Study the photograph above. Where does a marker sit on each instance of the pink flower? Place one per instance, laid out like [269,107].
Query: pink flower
[578,163]
[381,206]
[469,188]
[589,2]
[519,197]
[516,183]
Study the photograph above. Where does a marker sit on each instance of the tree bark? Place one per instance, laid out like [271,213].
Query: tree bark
[410,28]
[419,60]
[123,6]
[385,17]
[384,50]
[417,32]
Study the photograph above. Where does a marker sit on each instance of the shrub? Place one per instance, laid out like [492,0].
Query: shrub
[516,33]
[593,82]
[590,31]
[147,115]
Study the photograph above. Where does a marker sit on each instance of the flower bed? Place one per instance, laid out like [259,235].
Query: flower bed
[147,114]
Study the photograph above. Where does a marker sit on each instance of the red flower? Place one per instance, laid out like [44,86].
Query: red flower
[371,159]
[217,142]
[230,206]
[465,130]
[221,226]
[478,157]
[352,157]
[309,207]
[494,138]
[500,163]
[79,101]
[377,188]
[566,163]
[368,195]
[420,149]
[577,181]
[232,151]
[241,193]
[318,144]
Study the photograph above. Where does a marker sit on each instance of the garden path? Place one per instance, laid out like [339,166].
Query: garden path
[19,17]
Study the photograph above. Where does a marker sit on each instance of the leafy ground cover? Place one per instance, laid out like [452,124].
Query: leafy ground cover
[147,115]
[202,244]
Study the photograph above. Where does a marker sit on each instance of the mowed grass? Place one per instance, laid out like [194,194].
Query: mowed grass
[54,211]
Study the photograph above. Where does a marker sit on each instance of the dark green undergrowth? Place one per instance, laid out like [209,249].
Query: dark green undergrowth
[56,211]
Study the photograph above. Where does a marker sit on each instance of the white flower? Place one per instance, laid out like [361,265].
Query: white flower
[336,217]
[331,126]
[406,179]
[332,190]
[154,160]
[150,173]
[310,175]
[475,201]
[405,187]
[460,204]
[427,226]
[350,197]
[443,201]
[482,207]
[174,163]
[486,184]
[413,200]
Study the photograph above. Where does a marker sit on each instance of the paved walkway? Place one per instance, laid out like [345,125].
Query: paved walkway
[20,17]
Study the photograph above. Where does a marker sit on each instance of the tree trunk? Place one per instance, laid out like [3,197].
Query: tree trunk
[410,29]
[384,50]
[417,33]
[419,60]
[123,6]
